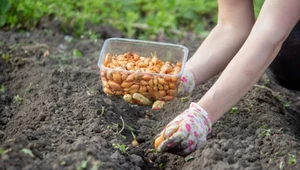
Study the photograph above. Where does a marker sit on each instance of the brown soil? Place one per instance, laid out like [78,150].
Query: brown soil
[65,121]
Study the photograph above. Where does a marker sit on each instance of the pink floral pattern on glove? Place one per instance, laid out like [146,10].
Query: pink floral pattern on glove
[186,132]
[184,79]
[187,84]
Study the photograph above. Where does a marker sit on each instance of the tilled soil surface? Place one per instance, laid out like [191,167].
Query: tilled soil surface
[54,115]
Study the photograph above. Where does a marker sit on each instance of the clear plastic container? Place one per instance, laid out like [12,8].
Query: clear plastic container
[153,85]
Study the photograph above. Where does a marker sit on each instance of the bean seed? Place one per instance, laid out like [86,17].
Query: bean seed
[128,84]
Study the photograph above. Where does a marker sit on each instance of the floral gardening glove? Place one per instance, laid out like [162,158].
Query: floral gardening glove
[185,133]
[186,86]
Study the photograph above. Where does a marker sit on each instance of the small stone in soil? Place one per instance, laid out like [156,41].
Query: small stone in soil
[137,160]
[3,121]
[107,101]
[230,159]
[42,116]
[2,134]
[125,165]
[146,122]
[6,98]
[213,154]
[79,116]
[117,156]
[228,145]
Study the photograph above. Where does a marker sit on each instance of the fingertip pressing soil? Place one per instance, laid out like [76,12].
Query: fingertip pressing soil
[63,120]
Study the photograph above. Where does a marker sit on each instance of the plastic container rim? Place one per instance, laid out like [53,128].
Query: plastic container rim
[185,50]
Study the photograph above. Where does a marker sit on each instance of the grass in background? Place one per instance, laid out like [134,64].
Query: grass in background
[135,18]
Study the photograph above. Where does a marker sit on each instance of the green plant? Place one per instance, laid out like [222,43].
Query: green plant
[90,91]
[135,18]
[265,132]
[4,151]
[62,163]
[292,159]
[234,109]
[27,152]
[102,111]
[189,158]
[83,164]
[281,163]
[184,99]
[121,147]
[2,88]
[77,53]
[5,6]
[18,99]
[257,7]
[27,89]
[92,35]
[160,165]
[153,150]
[287,103]
[6,57]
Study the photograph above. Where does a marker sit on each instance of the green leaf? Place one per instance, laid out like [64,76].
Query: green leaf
[6,57]
[287,104]
[265,132]
[187,159]
[2,88]
[2,150]
[27,152]
[83,164]
[234,110]
[77,53]
[121,147]
[292,159]
[62,163]
[153,150]
[4,6]
[18,99]
[2,20]
[160,166]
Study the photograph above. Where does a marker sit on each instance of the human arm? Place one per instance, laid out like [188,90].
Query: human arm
[274,23]
[276,20]
[235,21]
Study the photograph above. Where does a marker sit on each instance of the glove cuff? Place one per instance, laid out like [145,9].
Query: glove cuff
[187,84]
[201,112]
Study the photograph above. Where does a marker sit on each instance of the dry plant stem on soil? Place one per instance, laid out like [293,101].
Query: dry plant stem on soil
[123,124]
[276,94]
[28,47]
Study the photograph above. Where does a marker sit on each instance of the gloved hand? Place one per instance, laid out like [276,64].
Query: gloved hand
[185,133]
[187,85]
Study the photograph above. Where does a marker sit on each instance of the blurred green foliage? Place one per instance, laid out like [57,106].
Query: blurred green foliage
[4,9]
[149,17]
